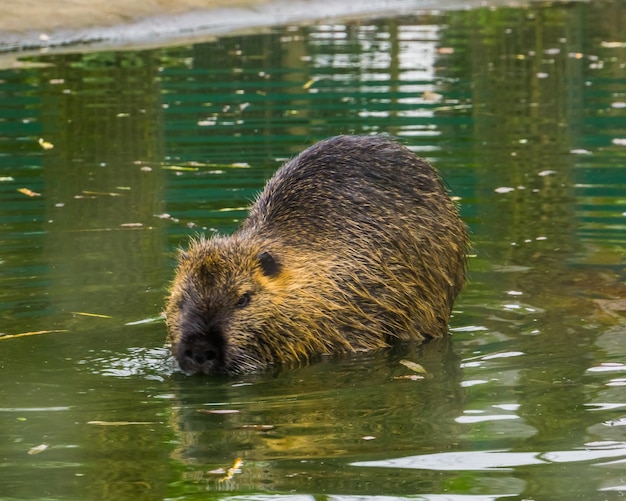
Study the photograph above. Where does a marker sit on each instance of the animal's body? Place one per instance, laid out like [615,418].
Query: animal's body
[352,245]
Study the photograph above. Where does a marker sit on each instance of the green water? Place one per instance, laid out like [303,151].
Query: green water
[524,112]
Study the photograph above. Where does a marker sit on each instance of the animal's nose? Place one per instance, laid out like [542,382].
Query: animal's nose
[201,352]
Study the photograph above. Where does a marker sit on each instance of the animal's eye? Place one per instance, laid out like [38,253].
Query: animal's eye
[243,300]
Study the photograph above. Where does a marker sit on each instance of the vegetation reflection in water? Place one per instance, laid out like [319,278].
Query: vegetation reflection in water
[522,109]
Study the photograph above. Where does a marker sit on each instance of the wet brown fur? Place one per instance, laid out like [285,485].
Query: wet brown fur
[352,245]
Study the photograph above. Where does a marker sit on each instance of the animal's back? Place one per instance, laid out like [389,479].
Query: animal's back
[380,219]
[345,179]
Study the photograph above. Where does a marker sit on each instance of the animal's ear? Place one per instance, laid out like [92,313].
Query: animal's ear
[268,264]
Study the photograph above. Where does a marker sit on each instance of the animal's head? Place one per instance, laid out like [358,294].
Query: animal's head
[223,305]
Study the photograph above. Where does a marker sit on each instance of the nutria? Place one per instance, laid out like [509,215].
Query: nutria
[351,245]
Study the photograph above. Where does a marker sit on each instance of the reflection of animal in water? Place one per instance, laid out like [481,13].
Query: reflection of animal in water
[352,245]
[344,409]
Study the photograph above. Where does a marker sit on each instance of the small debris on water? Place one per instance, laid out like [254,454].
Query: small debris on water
[309,83]
[415,367]
[432,96]
[88,314]
[613,45]
[37,449]
[32,333]
[101,193]
[120,423]
[547,172]
[227,474]
[46,145]
[410,377]
[218,411]
[257,427]
[179,168]
[28,193]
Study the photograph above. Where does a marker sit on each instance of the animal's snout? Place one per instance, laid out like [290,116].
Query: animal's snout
[201,352]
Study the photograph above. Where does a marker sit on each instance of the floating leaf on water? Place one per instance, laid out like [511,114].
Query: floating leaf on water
[45,144]
[309,83]
[504,189]
[410,377]
[431,96]
[33,333]
[105,193]
[235,468]
[87,314]
[257,427]
[4,179]
[415,367]
[179,168]
[28,193]
[546,172]
[38,449]
[613,45]
[218,411]
[368,437]
[120,423]
[509,268]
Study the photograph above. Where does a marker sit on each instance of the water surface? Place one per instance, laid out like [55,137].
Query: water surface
[109,161]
